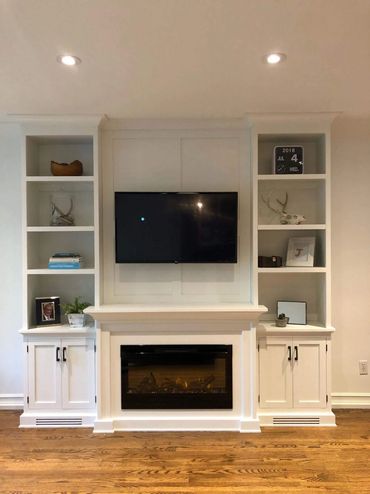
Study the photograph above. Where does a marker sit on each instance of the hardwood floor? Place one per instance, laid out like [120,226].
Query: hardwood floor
[280,460]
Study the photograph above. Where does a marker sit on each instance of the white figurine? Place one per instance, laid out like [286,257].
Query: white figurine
[61,209]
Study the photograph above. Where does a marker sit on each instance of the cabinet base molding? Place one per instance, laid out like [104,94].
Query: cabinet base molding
[287,419]
[56,420]
[177,424]
[11,401]
[350,400]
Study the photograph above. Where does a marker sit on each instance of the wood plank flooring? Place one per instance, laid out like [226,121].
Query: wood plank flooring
[279,460]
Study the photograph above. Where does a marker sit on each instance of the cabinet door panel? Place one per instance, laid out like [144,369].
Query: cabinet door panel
[78,381]
[309,374]
[44,375]
[275,373]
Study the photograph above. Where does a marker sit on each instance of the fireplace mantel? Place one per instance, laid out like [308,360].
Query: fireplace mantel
[127,313]
[224,324]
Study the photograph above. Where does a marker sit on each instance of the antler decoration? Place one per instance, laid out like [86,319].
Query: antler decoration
[283,204]
[59,218]
[285,217]
[277,211]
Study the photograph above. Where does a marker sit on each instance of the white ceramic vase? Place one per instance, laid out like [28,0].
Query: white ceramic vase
[76,320]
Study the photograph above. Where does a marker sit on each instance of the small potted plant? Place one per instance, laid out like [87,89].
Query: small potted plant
[74,312]
[282,320]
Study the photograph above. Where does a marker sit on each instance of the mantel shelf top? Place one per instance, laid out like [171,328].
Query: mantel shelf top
[123,312]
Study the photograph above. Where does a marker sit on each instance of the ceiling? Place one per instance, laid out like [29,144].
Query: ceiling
[184,58]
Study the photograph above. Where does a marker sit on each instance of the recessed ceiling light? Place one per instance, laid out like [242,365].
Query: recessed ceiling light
[274,58]
[69,60]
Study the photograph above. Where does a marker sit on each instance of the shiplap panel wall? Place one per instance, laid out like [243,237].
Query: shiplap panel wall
[176,160]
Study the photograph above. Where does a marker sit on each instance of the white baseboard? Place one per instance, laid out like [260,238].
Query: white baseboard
[339,400]
[11,402]
[350,400]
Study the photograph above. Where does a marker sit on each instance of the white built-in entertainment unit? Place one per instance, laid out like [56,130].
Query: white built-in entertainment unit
[280,376]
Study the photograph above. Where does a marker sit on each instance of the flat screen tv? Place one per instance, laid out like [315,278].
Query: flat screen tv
[176,227]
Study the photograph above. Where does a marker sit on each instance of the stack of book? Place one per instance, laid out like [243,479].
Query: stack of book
[65,260]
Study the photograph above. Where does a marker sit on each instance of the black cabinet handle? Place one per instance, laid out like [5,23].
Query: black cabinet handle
[57,354]
[289,353]
[64,354]
[296,353]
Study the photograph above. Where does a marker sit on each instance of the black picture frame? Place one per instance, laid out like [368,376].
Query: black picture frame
[47,311]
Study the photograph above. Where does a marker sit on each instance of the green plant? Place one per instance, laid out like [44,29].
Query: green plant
[76,307]
[281,316]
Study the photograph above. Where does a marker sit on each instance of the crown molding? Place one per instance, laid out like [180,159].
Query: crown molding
[289,116]
[93,120]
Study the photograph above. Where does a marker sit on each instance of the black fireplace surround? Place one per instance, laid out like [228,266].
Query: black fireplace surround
[176,377]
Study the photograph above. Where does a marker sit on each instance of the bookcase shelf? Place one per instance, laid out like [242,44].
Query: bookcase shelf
[291,227]
[78,194]
[307,194]
[303,197]
[314,144]
[41,149]
[58,272]
[291,270]
[58,179]
[311,327]
[62,142]
[59,229]
[291,178]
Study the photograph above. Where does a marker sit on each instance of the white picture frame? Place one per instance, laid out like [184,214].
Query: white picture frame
[301,252]
[296,311]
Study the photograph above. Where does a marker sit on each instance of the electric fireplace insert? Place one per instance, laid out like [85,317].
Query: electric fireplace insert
[176,377]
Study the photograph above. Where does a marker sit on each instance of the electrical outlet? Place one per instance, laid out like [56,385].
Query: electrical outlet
[363,366]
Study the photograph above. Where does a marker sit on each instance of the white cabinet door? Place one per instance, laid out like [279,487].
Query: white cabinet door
[275,372]
[44,374]
[309,373]
[78,380]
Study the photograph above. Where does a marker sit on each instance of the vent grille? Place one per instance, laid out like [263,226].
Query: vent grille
[56,421]
[296,421]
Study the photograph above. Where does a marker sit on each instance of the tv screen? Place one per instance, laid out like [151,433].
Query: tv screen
[174,227]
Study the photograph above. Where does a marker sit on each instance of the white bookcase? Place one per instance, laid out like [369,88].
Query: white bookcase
[61,140]
[294,362]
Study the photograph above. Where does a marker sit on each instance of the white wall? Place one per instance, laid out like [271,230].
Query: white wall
[351,257]
[11,380]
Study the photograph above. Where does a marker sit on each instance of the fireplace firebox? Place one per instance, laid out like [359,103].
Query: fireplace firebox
[176,377]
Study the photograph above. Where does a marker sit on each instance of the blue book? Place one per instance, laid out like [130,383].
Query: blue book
[64,265]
